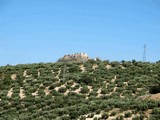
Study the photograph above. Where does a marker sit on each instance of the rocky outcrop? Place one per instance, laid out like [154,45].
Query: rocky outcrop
[78,57]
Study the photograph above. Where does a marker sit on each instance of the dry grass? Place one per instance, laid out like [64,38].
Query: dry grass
[21,94]
[10,92]
[47,91]
[82,68]
[35,93]
[108,66]
[14,76]
[155,96]
[94,66]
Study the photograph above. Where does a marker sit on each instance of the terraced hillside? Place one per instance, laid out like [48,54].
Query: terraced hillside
[93,90]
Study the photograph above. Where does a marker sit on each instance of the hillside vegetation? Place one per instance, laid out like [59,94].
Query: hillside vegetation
[98,90]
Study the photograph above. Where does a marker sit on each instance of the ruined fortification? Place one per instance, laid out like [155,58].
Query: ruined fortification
[78,57]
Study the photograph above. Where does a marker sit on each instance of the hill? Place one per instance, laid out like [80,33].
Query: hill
[98,90]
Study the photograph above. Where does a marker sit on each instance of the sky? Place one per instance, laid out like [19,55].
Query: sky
[33,31]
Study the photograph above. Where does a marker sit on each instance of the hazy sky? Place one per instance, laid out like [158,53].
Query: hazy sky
[34,31]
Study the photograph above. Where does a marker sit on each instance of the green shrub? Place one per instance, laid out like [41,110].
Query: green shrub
[62,90]
[155,111]
[93,93]
[105,116]
[74,69]
[136,118]
[74,114]
[104,91]
[120,84]
[113,113]
[52,86]
[141,117]
[86,79]
[154,89]
[83,110]
[55,93]
[84,90]
[127,114]
[120,117]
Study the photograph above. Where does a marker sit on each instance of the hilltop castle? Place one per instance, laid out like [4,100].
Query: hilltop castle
[79,57]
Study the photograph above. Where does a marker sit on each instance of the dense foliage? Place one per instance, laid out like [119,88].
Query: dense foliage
[73,90]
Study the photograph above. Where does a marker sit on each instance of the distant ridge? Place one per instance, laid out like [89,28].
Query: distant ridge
[78,57]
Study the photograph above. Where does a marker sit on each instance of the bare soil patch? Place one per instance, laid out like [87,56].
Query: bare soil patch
[155,96]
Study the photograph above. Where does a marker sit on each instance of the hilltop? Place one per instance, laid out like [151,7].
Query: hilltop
[90,90]
[77,57]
